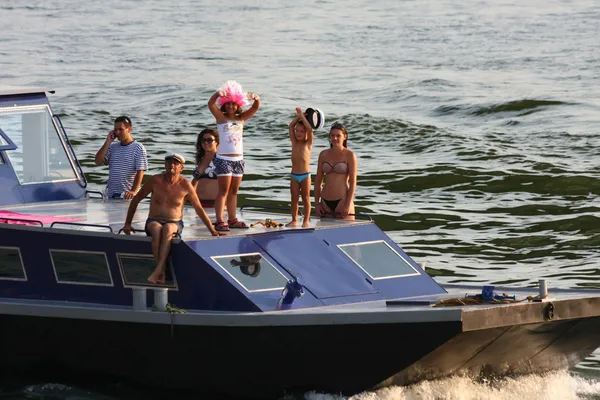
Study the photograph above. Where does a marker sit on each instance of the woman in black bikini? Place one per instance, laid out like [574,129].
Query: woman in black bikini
[205,177]
[336,173]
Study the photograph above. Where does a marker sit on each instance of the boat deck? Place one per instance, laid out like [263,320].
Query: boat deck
[100,215]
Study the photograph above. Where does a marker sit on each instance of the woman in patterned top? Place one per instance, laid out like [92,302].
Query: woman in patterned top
[205,176]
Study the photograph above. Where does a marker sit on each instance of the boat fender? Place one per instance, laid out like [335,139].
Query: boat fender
[293,289]
[549,311]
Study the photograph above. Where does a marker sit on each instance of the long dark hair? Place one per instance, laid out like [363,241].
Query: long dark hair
[199,148]
[342,128]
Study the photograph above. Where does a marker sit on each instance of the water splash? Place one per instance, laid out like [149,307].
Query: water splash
[558,385]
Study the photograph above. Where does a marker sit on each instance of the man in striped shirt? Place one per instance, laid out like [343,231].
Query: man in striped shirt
[126,160]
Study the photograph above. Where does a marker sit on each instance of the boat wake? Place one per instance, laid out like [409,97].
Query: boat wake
[557,385]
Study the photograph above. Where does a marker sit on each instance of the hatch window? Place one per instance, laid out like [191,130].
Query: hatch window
[252,271]
[378,260]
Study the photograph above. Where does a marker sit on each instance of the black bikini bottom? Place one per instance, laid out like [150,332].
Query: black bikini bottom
[332,204]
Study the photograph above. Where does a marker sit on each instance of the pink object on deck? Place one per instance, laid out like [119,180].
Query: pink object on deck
[11,217]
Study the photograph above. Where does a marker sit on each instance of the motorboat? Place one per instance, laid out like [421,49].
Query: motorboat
[338,307]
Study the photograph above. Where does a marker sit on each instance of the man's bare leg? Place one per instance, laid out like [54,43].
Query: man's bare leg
[166,235]
[154,229]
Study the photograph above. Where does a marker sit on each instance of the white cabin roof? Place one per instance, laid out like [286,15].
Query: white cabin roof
[8,90]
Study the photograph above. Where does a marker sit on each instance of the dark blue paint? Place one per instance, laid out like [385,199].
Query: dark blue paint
[52,191]
[199,286]
[9,187]
[326,273]
[266,301]
[30,99]
[202,283]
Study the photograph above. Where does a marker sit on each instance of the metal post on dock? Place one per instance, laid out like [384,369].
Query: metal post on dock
[161,298]
[139,298]
[543,288]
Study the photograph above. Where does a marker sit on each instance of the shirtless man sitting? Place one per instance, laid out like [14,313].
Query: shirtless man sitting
[169,191]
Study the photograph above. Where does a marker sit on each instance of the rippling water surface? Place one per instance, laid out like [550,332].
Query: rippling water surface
[475,123]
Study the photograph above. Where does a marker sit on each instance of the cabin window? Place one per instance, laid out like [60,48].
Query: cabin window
[38,154]
[11,264]
[252,271]
[81,267]
[378,260]
[136,268]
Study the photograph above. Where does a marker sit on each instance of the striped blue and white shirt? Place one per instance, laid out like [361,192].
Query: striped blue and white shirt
[124,162]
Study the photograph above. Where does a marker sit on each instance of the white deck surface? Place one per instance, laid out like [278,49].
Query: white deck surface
[96,211]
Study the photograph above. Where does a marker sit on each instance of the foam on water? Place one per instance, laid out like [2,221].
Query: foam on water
[552,386]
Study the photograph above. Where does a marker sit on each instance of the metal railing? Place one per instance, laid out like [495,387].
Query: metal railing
[81,224]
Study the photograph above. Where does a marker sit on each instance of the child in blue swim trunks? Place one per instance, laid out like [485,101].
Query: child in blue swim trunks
[302,137]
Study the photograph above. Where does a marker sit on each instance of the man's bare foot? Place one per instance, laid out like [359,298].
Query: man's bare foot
[291,224]
[306,224]
[157,276]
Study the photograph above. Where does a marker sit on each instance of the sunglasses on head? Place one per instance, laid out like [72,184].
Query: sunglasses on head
[124,119]
[210,140]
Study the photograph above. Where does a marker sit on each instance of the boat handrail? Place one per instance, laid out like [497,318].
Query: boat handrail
[82,225]
[366,216]
[22,220]
[267,208]
[88,192]
[133,230]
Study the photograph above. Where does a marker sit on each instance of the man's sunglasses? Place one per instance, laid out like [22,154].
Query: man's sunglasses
[123,119]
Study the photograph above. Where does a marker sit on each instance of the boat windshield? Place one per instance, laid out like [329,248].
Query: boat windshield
[40,154]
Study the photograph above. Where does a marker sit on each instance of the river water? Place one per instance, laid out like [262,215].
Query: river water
[474,123]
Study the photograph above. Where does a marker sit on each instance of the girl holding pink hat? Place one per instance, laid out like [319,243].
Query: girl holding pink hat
[227,107]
